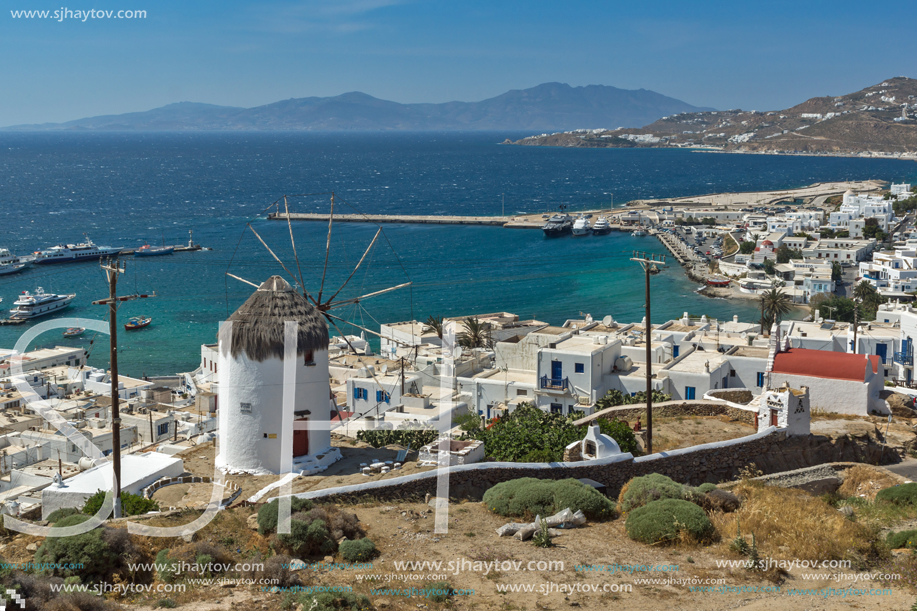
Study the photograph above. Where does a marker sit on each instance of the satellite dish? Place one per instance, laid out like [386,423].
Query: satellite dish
[607,321]
[457,352]
[384,369]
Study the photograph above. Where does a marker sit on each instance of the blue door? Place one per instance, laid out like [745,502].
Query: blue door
[557,370]
[882,351]
[675,350]
[689,393]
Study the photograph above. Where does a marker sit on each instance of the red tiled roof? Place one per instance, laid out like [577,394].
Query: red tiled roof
[344,415]
[823,364]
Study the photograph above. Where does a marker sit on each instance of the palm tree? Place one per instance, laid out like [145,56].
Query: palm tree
[864,291]
[775,304]
[434,325]
[476,335]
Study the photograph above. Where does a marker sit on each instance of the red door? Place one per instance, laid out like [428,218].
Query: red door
[756,421]
[300,441]
[774,417]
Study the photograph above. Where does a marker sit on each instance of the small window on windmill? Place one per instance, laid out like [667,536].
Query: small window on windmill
[245,408]
[308,359]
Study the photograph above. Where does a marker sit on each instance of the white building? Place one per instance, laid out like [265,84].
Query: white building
[893,274]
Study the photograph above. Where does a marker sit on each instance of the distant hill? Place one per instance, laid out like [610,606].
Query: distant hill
[877,120]
[547,107]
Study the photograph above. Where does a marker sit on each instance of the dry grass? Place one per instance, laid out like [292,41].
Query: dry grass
[820,414]
[790,524]
[863,481]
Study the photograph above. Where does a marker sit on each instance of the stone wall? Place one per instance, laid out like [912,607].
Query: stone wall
[738,395]
[672,409]
[771,451]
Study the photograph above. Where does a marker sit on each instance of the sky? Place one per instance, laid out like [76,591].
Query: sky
[755,56]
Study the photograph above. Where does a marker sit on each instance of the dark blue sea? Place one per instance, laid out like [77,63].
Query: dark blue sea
[128,189]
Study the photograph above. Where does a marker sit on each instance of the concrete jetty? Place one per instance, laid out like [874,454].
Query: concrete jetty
[498,221]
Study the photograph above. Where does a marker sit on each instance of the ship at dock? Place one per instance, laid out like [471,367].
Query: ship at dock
[39,303]
[7,258]
[73,253]
[558,225]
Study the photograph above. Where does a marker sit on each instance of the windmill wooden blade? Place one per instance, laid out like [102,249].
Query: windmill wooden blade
[368,248]
[321,289]
[302,282]
[242,280]
[272,252]
[353,324]
[331,306]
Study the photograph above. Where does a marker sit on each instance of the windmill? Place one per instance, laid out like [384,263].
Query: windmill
[327,301]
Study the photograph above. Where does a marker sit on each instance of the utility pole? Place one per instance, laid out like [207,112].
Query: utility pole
[503,213]
[113,269]
[650,264]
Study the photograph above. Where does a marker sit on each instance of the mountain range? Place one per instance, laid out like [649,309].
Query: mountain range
[878,120]
[547,107]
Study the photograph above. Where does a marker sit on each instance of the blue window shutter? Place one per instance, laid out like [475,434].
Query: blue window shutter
[760,379]
[356,392]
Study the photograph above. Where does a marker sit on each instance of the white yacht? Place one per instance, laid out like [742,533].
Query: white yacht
[581,227]
[638,232]
[602,226]
[7,258]
[39,304]
[11,268]
[70,253]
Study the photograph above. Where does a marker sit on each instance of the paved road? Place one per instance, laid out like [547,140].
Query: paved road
[906,468]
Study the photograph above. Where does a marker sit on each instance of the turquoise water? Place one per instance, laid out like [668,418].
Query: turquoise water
[129,189]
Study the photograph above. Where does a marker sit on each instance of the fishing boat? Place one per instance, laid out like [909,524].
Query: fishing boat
[154,251]
[137,322]
[581,227]
[601,227]
[38,304]
[71,253]
[74,332]
[10,268]
[638,232]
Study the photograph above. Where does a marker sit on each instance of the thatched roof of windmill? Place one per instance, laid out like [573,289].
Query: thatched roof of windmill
[258,324]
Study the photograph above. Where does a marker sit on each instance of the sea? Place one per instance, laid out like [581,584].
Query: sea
[130,189]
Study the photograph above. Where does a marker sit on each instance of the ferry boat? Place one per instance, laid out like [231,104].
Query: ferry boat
[601,226]
[581,227]
[7,258]
[558,225]
[74,332]
[71,253]
[154,251]
[137,322]
[11,268]
[39,304]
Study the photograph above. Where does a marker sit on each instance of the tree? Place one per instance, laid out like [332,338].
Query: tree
[747,247]
[837,272]
[775,304]
[476,335]
[785,253]
[769,267]
[868,298]
[833,307]
[434,325]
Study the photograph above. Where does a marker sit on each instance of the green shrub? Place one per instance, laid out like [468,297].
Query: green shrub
[100,551]
[530,496]
[643,490]
[59,514]
[165,566]
[308,538]
[131,504]
[666,520]
[267,514]
[543,537]
[905,494]
[621,432]
[705,488]
[327,601]
[905,538]
[357,551]
[438,591]
[165,603]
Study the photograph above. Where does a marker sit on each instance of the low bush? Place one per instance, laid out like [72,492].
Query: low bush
[669,520]
[276,571]
[905,494]
[705,488]
[267,514]
[60,514]
[438,591]
[327,601]
[131,504]
[166,565]
[357,551]
[528,497]
[905,538]
[102,551]
[645,489]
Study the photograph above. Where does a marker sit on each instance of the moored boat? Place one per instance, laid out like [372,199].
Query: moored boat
[39,304]
[72,253]
[7,258]
[137,322]
[601,226]
[10,268]
[154,251]
[558,225]
[638,232]
[581,227]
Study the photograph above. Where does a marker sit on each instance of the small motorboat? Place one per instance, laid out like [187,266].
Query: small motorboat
[154,251]
[74,332]
[137,322]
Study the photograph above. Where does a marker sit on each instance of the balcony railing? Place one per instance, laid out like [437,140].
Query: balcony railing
[904,358]
[554,383]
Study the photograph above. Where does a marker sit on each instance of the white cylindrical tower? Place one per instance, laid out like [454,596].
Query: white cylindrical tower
[252,383]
